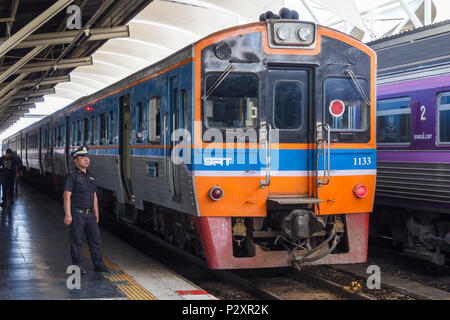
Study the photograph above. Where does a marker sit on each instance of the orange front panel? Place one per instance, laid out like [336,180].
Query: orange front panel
[338,196]
[242,195]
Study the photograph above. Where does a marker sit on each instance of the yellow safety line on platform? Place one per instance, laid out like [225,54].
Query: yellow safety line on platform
[130,287]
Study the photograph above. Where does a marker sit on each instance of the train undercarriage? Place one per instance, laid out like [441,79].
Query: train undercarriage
[425,235]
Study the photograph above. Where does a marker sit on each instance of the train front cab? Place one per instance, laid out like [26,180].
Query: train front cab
[307,196]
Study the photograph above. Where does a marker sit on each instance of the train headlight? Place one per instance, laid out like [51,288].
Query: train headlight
[361,191]
[283,33]
[291,34]
[305,33]
[215,193]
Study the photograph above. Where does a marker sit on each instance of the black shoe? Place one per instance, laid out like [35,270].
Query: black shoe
[102,268]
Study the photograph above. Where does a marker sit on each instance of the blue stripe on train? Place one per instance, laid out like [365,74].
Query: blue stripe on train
[254,159]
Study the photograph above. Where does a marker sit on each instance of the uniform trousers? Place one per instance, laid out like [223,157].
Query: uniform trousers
[85,223]
[7,188]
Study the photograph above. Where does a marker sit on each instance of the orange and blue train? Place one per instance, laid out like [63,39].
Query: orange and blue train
[275,160]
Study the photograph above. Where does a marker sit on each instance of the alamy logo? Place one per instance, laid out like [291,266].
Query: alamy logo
[74,20]
[374,280]
[74,280]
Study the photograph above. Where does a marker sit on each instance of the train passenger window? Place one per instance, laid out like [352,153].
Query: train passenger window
[102,129]
[393,120]
[93,139]
[73,133]
[354,113]
[86,131]
[59,135]
[141,131]
[233,103]
[110,127]
[184,108]
[288,107]
[155,120]
[79,132]
[444,118]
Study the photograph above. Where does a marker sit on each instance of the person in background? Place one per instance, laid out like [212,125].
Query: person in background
[20,164]
[9,172]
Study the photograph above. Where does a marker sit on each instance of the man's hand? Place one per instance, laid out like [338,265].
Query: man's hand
[96,217]
[67,220]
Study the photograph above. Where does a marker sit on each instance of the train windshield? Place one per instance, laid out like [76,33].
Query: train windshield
[345,108]
[233,104]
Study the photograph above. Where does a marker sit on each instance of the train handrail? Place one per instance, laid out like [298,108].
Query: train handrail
[326,154]
[267,142]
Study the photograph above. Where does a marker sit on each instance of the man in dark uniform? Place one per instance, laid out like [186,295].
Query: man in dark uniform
[9,172]
[81,211]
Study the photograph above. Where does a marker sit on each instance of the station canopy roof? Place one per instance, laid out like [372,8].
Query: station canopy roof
[160,27]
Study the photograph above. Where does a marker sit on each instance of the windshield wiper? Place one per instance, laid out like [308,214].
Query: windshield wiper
[357,85]
[218,82]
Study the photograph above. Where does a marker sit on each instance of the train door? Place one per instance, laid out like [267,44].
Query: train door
[124,146]
[26,150]
[172,125]
[67,144]
[46,148]
[40,150]
[288,123]
[21,146]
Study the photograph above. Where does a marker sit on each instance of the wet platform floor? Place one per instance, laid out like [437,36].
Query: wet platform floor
[34,256]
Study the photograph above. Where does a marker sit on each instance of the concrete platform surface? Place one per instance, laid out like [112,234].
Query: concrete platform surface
[34,256]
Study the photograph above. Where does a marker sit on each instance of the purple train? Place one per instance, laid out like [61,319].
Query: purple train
[412,200]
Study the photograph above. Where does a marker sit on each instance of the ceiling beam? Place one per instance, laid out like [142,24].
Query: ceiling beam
[10,85]
[19,64]
[44,66]
[33,83]
[23,103]
[410,14]
[34,93]
[68,36]
[35,24]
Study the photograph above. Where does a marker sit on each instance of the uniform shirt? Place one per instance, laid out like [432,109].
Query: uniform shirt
[82,187]
[8,166]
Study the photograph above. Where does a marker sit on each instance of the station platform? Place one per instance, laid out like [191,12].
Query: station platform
[35,254]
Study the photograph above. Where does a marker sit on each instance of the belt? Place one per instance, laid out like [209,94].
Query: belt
[87,211]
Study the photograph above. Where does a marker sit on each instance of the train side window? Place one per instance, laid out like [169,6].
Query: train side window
[79,132]
[110,127]
[393,120]
[86,131]
[354,114]
[140,123]
[93,138]
[73,133]
[155,120]
[184,108]
[102,129]
[444,118]
[59,136]
[288,106]
[233,103]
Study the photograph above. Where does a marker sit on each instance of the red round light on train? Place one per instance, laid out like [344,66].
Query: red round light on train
[337,108]
[89,108]
[216,193]
[361,191]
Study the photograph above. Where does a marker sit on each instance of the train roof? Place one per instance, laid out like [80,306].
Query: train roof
[411,52]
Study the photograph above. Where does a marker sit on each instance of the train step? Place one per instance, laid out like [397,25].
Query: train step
[292,199]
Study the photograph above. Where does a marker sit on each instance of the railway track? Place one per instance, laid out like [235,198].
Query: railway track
[271,284]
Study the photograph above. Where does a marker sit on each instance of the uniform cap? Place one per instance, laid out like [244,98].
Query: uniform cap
[81,151]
